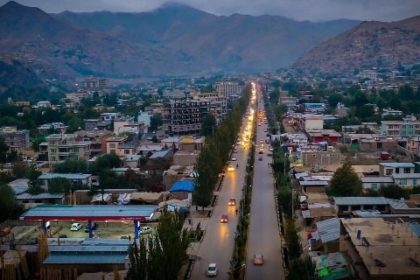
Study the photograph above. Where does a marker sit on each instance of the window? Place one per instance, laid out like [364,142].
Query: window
[414,182]
[403,182]
[407,170]
[388,171]
[374,186]
[397,170]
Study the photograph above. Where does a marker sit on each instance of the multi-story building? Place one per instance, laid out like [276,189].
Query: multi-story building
[15,139]
[92,83]
[65,146]
[184,116]
[96,138]
[228,88]
[408,127]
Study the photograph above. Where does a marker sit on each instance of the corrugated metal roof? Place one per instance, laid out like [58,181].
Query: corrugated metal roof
[406,176]
[25,196]
[398,164]
[415,228]
[86,259]
[89,211]
[313,183]
[377,179]
[89,249]
[362,200]
[329,230]
[70,176]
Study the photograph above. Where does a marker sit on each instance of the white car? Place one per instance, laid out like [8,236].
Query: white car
[212,270]
[75,226]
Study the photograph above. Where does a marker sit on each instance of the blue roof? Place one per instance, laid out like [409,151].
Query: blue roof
[54,258]
[183,186]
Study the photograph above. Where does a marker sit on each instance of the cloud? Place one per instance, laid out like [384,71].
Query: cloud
[315,10]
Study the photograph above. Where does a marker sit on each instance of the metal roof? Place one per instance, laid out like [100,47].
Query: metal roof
[362,200]
[313,183]
[87,212]
[25,196]
[406,176]
[329,230]
[415,228]
[397,164]
[70,176]
[377,179]
[89,248]
[86,259]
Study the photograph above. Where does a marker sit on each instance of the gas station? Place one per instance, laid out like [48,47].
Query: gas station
[136,214]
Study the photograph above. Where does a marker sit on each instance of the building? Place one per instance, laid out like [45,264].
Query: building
[391,112]
[144,118]
[55,126]
[313,122]
[406,179]
[184,116]
[41,198]
[228,88]
[15,139]
[94,84]
[408,127]
[390,168]
[96,138]
[66,146]
[318,158]
[188,151]
[324,135]
[315,107]
[376,182]
[345,205]
[76,178]
[381,249]
[127,126]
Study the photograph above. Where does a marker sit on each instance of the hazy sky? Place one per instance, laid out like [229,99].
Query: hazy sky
[385,10]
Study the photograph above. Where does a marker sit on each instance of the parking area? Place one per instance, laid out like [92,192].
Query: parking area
[108,230]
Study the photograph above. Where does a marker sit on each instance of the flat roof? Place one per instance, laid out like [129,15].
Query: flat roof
[25,196]
[377,179]
[69,176]
[360,200]
[89,212]
[86,259]
[393,244]
[406,176]
[397,164]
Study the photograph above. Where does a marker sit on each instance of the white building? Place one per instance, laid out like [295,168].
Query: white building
[313,122]
[145,119]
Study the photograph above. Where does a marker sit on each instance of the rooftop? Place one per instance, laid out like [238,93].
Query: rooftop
[86,212]
[40,196]
[377,179]
[69,176]
[379,245]
[360,200]
[397,164]
[329,230]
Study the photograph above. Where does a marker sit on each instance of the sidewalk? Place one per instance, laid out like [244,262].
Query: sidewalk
[196,217]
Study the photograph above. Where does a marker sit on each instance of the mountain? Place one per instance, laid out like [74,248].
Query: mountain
[370,44]
[172,40]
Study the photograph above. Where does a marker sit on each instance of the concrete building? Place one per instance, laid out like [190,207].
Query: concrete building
[313,122]
[320,159]
[391,112]
[408,127]
[54,126]
[407,180]
[345,205]
[184,116]
[144,118]
[96,138]
[323,135]
[65,146]
[189,150]
[390,168]
[78,178]
[15,139]
[376,182]
[228,88]
[94,84]
[381,249]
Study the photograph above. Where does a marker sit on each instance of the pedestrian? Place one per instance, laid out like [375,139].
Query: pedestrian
[189,221]
[236,211]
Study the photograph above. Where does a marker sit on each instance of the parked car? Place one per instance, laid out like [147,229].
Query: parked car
[75,226]
[258,259]
[212,270]
[224,218]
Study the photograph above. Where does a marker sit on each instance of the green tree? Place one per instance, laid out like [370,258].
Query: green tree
[394,191]
[20,169]
[161,256]
[71,166]
[208,125]
[155,122]
[333,99]
[3,150]
[9,209]
[59,185]
[294,247]
[302,269]
[345,182]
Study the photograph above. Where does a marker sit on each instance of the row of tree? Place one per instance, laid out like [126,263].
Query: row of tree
[216,151]
[161,255]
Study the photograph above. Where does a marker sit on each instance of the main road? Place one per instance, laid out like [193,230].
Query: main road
[264,237]
[218,241]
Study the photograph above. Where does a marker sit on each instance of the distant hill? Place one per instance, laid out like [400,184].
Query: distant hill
[370,44]
[171,40]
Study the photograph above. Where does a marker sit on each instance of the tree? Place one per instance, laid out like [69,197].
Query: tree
[59,185]
[333,99]
[394,191]
[208,125]
[294,248]
[155,122]
[3,150]
[9,209]
[302,269]
[345,182]
[71,166]
[161,256]
[20,169]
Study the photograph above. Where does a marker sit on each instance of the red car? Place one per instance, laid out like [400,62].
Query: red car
[224,218]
